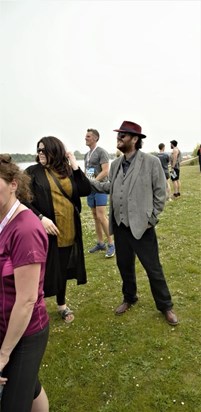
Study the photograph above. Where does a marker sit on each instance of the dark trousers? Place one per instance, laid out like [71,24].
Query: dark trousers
[22,370]
[146,249]
[64,254]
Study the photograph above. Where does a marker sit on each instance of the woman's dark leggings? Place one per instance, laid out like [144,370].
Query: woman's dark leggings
[64,253]
[23,385]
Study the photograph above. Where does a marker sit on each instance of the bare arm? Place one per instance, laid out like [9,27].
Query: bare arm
[174,157]
[26,286]
[104,172]
[102,187]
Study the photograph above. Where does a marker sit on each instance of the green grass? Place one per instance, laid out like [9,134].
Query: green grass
[135,362]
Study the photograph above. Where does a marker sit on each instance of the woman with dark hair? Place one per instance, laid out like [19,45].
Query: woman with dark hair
[24,323]
[57,185]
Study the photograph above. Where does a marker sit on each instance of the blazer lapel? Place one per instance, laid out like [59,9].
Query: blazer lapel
[135,167]
[116,166]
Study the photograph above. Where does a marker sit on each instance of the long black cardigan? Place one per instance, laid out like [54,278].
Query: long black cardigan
[42,204]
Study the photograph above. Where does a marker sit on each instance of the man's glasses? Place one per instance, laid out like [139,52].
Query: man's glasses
[41,151]
[121,135]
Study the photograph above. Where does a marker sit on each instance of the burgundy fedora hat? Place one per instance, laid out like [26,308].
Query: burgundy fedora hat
[130,127]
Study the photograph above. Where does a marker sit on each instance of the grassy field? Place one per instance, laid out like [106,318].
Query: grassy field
[135,362]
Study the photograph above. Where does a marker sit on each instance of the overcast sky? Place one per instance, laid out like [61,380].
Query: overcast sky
[71,65]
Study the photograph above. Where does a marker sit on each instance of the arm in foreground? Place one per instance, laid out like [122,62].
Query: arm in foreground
[82,182]
[159,188]
[100,187]
[26,297]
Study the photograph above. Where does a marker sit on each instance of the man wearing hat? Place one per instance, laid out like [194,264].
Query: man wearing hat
[175,160]
[137,190]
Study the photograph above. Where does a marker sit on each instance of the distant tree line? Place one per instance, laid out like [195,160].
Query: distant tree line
[20,157]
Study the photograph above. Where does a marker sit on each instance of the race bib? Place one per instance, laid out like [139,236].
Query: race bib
[90,173]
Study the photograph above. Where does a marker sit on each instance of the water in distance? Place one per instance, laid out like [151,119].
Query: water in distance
[24,165]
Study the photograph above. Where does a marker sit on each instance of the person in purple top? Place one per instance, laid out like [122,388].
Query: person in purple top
[24,322]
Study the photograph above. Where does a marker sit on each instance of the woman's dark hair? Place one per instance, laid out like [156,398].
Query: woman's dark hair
[9,171]
[56,155]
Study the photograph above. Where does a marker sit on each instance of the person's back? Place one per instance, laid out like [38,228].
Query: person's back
[164,159]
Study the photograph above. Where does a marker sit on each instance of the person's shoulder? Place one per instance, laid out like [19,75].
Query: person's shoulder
[32,168]
[102,155]
[166,155]
[149,157]
[27,216]
[28,233]
[100,149]
[117,160]
[160,155]
[28,223]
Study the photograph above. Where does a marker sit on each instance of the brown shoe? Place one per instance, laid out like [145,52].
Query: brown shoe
[171,318]
[122,308]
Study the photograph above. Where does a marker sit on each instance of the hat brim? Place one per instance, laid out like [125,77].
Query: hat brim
[128,131]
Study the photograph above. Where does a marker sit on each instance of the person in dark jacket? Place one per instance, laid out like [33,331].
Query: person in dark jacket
[199,156]
[57,184]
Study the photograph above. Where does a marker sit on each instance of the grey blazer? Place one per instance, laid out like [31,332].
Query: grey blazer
[146,192]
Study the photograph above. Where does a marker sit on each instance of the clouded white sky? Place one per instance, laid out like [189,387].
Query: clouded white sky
[72,65]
